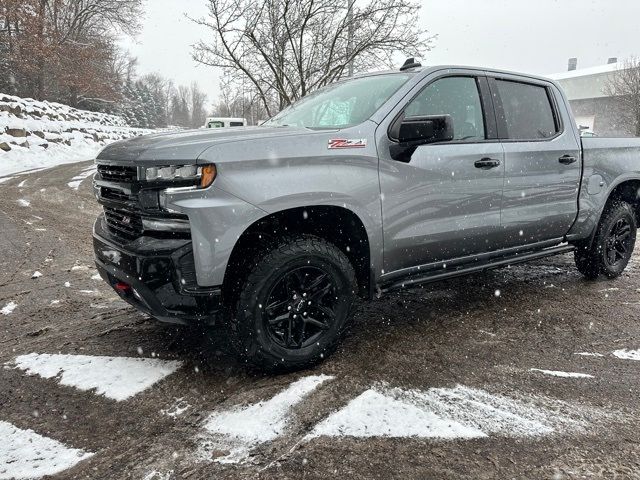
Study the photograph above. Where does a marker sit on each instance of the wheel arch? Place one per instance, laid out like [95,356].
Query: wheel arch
[338,225]
[626,189]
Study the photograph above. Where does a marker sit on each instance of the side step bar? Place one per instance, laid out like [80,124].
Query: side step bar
[461,271]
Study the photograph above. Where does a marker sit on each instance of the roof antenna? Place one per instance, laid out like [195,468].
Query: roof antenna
[410,63]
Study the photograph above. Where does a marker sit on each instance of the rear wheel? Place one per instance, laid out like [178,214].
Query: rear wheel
[294,305]
[612,245]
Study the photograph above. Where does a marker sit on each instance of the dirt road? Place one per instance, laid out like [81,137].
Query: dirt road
[526,372]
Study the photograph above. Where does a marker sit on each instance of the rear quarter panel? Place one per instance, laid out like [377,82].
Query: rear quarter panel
[607,163]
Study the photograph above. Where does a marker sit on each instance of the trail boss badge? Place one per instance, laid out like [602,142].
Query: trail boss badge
[338,143]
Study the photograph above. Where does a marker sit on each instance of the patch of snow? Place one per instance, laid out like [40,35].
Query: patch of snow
[373,414]
[67,284]
[240,429]
[626,354]
[99,306]
[8,308]
[156,475]
[589,354]
[24,203]
[112,255]
[36,274]
[444,413]
[22,183]
[178,408]
[26,454]
[117,378]
[96,276]
[6,179]
[558,373]
[78,179]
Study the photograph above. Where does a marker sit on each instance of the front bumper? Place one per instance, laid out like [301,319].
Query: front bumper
[157,276]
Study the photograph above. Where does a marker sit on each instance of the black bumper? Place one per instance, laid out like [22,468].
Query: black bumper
[157,276]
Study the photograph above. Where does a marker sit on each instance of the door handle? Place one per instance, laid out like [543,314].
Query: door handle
[486,163]
[567,159]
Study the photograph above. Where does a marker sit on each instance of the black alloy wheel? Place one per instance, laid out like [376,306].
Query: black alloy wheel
[300,307]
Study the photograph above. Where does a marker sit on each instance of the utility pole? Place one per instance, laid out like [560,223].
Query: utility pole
[350,34]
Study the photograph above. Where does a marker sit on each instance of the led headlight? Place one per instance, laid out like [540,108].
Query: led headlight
[202,175]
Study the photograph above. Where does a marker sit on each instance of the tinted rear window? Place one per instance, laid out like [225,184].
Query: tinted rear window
[527,110]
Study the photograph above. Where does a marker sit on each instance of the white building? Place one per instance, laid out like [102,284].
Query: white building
[595,110]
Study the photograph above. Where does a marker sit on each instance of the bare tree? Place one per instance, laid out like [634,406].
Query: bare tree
[285,49]
[63,49]
[198,99]
[239,99]
[625,85]
[179,111]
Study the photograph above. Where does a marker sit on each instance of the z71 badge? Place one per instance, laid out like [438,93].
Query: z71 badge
[347,143]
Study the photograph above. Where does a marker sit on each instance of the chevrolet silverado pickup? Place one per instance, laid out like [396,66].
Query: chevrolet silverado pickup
[374,183]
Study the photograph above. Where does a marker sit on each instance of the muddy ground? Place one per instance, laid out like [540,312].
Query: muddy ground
[460,332]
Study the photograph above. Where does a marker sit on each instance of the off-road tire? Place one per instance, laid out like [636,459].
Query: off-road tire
[249,331]
[592,260]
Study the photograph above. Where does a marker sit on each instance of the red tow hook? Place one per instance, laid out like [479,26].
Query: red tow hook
[122,287]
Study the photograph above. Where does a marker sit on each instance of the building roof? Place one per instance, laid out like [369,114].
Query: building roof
[585,72]
[586,82]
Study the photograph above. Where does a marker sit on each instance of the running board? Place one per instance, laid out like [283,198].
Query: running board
[413,280]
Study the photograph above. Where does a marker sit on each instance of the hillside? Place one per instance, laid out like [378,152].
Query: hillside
[36,134]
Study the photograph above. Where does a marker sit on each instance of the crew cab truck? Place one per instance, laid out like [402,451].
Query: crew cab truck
[374,183]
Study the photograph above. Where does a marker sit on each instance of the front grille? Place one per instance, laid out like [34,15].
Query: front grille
[117,173]
[122,223]
[118,195]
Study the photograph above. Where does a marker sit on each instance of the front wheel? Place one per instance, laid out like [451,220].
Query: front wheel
[294,305]
[612,245]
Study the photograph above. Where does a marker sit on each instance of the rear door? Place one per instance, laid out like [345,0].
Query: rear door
[542,160]
[444,201]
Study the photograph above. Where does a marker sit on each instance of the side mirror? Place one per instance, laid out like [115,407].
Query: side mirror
[423,130]
[411,132]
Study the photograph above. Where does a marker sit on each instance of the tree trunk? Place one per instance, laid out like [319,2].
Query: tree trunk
[39,93]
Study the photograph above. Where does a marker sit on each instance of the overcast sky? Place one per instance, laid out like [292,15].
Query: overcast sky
[525,35]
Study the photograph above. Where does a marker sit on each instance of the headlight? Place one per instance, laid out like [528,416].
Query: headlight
[202,175]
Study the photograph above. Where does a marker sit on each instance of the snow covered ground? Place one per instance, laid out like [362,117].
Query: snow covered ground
[26,454]
[118,378]
[238,430]
[37,134]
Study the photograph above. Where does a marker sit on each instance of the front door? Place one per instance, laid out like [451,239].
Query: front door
[445,201]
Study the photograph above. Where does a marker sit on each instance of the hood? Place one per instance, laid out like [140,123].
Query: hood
[187,145]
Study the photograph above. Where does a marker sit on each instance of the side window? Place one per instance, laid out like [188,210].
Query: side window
[455,96]
[236,124]
[528,112]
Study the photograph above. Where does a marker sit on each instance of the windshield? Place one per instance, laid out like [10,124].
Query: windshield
[341,104]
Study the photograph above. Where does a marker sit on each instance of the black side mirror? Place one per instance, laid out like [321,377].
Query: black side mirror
[411,132]
[423,130]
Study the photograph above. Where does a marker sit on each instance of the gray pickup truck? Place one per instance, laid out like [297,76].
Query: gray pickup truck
[375,183]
